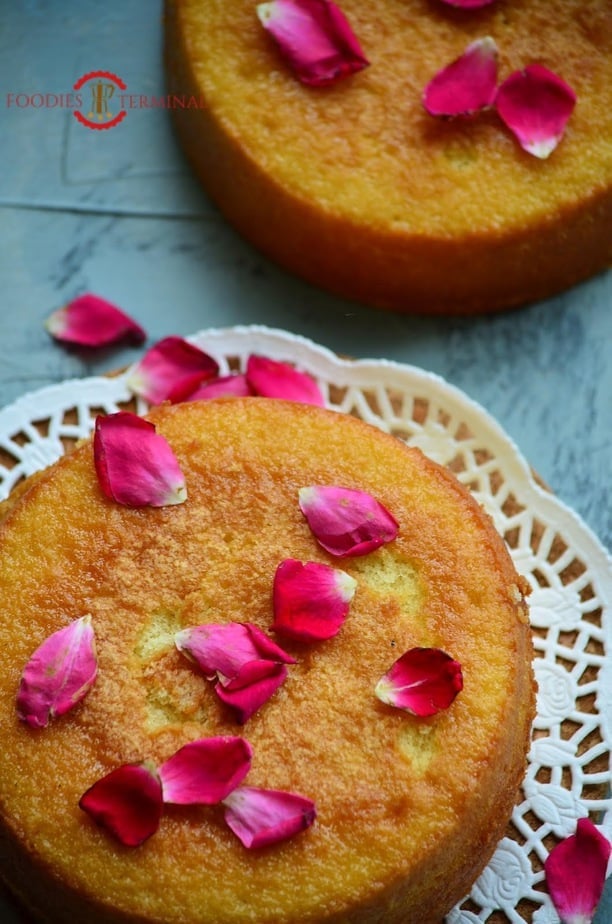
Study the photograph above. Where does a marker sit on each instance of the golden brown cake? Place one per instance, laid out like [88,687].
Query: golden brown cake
[409,809]
[357,189]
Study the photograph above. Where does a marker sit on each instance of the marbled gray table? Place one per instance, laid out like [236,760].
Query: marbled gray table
[117,213]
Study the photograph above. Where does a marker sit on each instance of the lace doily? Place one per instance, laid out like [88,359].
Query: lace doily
[569,768]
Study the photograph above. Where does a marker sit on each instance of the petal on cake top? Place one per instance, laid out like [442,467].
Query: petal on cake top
[311,600]
[92,321]
[315,38]
[205,771]
[468,4]
[346,522]
[466,85]
[271,378]
[260,817]
[127,802]
[535,104]
[576,872]
[59,674]
[422,681]
[226,386]
[171,370]
[134,464]
[247,665]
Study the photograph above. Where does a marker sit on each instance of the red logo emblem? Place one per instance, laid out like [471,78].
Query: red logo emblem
[101,100]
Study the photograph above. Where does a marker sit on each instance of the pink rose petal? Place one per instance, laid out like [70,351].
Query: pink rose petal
[59,674]
[260,817]
[248,666]
[576,872]
[227,386]
[535,104]
[346,522]
[91,321]
[127,802]
[272,379]
[315,38]
[310,600]
[171,370]
[135,465]
[205,771]
[467,84]
[423,681]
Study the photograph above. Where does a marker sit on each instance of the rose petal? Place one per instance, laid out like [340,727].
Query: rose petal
[222,650]
[423,681]
[315,38]
[59,674]
[91,321]
[260,817]
[535,104]
[346,522]
[468,4]
[227,386]
[576,872]
[127,802]
[251,687]
[467,84]
[272,379]
[171,370]
[205,771]
[311,600]
[135,465]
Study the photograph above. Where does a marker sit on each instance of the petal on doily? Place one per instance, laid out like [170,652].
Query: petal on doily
[135,465]
[270,378]
[224,649]
[535,104]
[59,674]
[260,817]
[466,85]
[127,802]
[251,687]
[91,321]
[205,771]
[423,681]
[226,386]
[315,38]
[171,370]
[310,600]
[346,522]
[576,872]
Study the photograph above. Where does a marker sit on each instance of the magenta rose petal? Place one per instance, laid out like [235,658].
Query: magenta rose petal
[270,378]
[260,817]
[91,321]
[127,802]
[226,386]
[134,464]
[346,522]
[59,674]
[535,104]
[224,649]
[423,681]
[315,38]
[310,600]
[251,688]
[205,771]
[466,85]
[576,872]
[468,4]
[171,370]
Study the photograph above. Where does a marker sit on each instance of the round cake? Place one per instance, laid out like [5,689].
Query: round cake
[357,189]
[409,808]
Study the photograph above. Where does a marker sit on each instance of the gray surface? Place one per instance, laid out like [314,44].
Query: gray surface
[118,213]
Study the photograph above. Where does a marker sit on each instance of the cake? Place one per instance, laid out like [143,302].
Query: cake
[357,189]
[409,808]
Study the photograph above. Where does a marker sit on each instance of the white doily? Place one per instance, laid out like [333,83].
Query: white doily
[569,771]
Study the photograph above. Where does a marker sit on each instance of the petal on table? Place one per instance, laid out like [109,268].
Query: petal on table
[91,321]
[260,817]
[134,464]
[59,674]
